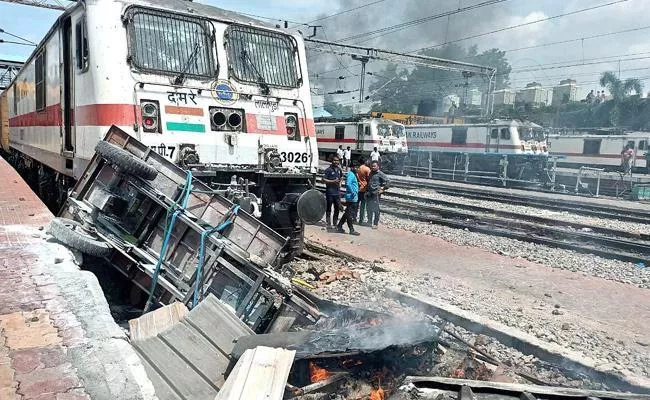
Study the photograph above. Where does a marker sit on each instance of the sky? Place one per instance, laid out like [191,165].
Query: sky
[32,23]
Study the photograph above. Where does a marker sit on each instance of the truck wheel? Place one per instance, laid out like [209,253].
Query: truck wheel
[69,233]
[126,161]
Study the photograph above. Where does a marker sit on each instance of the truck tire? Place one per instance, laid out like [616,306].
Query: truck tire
[69,233]
[126,161]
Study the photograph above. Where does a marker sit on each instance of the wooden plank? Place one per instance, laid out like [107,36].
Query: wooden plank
[260,368]
[280,339]
[164,391]
[217,324]
[157,321]
[175,370]
[198,351]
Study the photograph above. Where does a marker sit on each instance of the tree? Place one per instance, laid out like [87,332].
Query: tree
[620,89]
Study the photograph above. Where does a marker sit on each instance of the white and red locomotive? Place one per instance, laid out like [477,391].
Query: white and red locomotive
[211,90]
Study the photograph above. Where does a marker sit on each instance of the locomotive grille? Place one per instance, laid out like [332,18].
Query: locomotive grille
[264,57]
[170,44]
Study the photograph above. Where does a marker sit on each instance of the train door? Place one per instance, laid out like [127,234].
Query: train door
[361,128]
[68,93]
[492,140]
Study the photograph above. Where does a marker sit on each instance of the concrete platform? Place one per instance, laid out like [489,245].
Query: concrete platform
[58,340]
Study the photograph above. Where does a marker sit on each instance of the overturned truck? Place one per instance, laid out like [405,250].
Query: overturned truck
[176,239]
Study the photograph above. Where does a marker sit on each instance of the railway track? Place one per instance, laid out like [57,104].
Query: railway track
[581,208]
[585,239]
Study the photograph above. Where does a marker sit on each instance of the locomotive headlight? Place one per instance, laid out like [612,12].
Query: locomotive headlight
[234,120]
[291,123]
[219,119]
[150,115]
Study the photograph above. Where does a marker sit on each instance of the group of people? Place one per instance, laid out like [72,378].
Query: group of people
[345,156]
[364,183]
[596,98]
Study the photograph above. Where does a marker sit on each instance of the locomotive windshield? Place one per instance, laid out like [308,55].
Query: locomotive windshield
[531,134]
[263,57]
[170,44]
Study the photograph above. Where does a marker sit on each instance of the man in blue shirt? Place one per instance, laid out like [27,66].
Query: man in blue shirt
[332,178]
[351,200]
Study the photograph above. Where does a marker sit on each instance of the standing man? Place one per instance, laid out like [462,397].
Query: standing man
[363,175]
[374,156]
[351,199]
[377,184]
[626,159]
[332,178]
[348,156]
[340,152]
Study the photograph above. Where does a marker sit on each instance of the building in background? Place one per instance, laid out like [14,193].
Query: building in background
[534,95]
[565,92]
[504,97]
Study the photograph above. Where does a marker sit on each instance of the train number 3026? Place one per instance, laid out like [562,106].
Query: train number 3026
[294,157]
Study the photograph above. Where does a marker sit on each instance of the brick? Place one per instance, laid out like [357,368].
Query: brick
[29,329]
[42,381]
[27,360]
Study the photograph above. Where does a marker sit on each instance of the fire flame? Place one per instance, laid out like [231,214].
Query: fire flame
[374,322]
[377,394]
[317,373]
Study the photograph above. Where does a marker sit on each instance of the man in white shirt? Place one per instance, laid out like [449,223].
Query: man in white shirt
[347,156]
[374,156]
[340,152]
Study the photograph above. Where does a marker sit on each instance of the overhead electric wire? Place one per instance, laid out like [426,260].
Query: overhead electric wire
[398,27]
[17,37]
[521,25]
[346,11]
[18,43]
[578,39]
[541,44]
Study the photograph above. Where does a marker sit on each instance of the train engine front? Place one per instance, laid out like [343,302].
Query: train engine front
[391,139]
[227,97]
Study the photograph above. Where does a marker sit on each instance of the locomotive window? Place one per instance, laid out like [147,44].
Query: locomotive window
[170,44]
[505,133]
[591,146]
[494,133]
[458,135]
[339,132]
[367,130]
[643,144]
[81,42]
[263,57]
[39,80]
[630,143]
